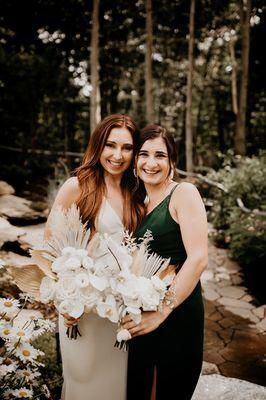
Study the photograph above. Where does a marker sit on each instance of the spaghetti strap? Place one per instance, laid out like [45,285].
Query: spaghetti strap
[172,191]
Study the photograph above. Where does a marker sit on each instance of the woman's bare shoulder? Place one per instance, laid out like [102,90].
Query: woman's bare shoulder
[186,192]
[68,192]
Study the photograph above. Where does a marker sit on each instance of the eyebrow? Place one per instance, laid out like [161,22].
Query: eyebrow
[126,144]
[157,152]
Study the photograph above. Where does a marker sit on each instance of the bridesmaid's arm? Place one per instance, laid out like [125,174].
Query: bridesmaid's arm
[188,210]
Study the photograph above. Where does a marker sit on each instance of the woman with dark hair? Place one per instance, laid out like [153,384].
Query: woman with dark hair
[167,345]
[92,368]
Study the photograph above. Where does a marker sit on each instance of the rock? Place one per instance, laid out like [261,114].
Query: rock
[262,325]
[33,237]
[8,232]
[217,387]
[5,188]
[227,301]
[210,294]
[260,311]
[17,208]
[209,368]
[231,291]
[14,259]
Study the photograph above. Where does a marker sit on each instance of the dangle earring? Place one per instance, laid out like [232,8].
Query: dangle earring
[172,172]
[137,179]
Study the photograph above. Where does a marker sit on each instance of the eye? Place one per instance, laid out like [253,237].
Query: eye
[128,147]
[109,144]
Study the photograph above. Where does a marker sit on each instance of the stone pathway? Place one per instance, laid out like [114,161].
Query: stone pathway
[235,328]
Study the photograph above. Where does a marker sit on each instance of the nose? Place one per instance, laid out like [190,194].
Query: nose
[151,162]
[117,153]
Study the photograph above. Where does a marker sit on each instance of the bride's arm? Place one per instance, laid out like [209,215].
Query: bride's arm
[190,213]
[66,196]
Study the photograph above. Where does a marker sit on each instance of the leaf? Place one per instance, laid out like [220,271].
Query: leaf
[28,278]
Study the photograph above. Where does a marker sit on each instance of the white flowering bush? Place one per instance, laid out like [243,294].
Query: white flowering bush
[19,359]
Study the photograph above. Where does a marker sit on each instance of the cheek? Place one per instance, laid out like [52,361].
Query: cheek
[128,157]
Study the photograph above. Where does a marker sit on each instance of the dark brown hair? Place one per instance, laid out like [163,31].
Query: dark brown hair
[90,175]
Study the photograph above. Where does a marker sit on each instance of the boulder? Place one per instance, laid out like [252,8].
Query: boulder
[5,188]
[8,232]
[20,210]
[32,237]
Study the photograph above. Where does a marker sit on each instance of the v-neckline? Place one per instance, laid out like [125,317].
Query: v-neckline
[161,202]
[157,206]
[113,210]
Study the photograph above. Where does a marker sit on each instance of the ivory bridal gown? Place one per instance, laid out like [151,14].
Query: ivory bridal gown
[93,369]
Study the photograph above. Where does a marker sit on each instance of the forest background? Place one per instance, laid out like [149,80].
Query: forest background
[196,67]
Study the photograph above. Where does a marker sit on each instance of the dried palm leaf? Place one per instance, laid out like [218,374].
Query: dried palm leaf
[42,262]
[28,278]
[67,230]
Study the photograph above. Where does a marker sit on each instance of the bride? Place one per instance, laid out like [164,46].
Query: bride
[92,368]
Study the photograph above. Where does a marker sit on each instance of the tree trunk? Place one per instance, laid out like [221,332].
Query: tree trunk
[189,132]
[240,135]
[148,64]
[234,75]
[95,99]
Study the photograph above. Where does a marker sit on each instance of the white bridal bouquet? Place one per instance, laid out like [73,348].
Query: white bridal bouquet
[19,359]
[69,272]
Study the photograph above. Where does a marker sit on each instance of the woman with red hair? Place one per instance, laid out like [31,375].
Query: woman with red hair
[102,189]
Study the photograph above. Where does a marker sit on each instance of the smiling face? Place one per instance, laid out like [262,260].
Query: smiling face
[118,152]
[153,162]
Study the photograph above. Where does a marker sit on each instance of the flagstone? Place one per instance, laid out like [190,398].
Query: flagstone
[247,297]
[226,322]
[236,279]
[226,335]
[231,291]
[262,325]
[260,311]
[222,282]
[242,312]
[212,325]
[210,294]
[227,301]
[209,368]
[216,316]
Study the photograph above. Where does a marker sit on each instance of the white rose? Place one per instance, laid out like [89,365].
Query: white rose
[82,280]
[73,263]
[108,309]
[87,262]
[47,289]
[100,283]
[73,307]
[81,253]
[66,287]
[123,335]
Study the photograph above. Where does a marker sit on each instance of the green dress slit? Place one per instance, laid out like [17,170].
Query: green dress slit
[175,348]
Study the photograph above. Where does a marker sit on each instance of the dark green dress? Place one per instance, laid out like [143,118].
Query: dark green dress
[176,346]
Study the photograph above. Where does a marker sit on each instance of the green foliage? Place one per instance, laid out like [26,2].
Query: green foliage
[244,232]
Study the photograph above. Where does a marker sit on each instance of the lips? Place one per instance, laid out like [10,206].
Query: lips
[115,163]
[147,172]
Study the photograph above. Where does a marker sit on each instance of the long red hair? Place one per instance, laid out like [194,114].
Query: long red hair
[90,176]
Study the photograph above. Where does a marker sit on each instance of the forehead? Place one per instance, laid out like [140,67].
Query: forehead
[120,135]
[153,145]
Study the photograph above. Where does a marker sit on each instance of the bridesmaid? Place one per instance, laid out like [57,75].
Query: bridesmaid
[168,344]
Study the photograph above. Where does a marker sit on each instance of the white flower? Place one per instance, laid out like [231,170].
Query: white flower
[69,251]
[108,309]
[82,280]
[87,262]
[158,284]
[47,289]
[134,313]
[81,253]
[100,283]
[73,263]
[6,331]
[123,335]
[23,393]
[27,374]
[91,297]
[119,252]
[24,335]
[59,264]
[73,307]
[26,352]
[66,288]
[7,365]
[9,307]
[150,298]
[9,394]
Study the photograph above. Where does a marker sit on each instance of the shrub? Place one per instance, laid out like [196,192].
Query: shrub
[243,232]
